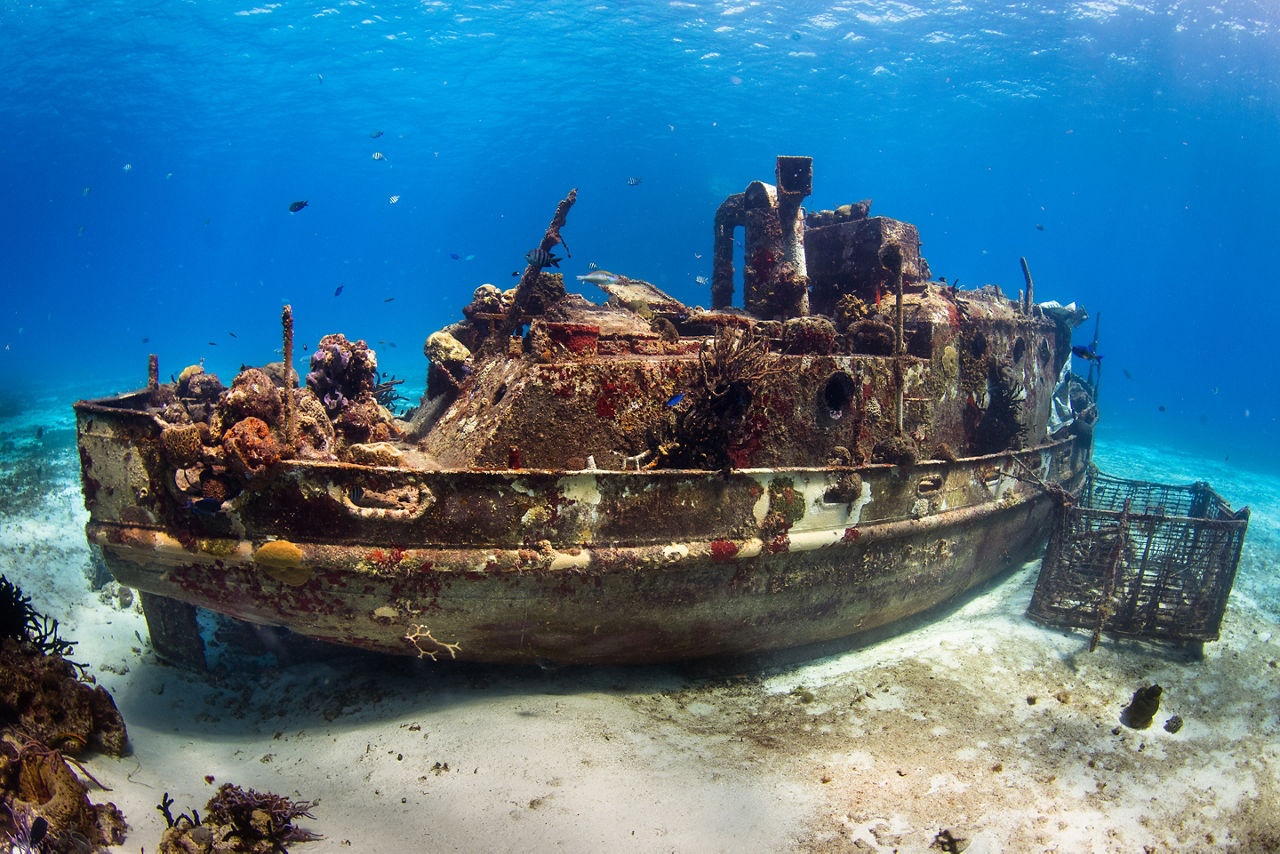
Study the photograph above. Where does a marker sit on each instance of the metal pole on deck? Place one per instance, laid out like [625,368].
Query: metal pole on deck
[1029,300]
[891,260]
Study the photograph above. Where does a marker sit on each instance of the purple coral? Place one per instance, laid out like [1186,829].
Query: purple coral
[341,370]
[235,806]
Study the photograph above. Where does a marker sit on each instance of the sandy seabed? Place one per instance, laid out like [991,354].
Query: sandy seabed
[973,723]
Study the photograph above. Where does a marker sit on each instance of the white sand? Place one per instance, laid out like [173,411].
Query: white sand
[979,722]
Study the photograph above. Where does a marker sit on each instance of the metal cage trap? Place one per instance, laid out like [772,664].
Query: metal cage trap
[1139,559]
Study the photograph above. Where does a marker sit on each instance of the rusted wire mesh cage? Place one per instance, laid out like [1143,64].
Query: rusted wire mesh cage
[1138,559]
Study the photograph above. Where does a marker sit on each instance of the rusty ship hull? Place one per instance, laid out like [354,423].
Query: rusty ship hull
[634,481]
[570,566]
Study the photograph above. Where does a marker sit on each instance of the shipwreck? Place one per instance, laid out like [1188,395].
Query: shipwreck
[628,480]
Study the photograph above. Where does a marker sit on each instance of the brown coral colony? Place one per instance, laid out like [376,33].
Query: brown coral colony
[219,439]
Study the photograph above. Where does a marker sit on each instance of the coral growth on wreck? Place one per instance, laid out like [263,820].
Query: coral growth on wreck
[341,371]
[704,432]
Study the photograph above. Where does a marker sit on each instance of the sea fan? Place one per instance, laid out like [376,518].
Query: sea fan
[21,622]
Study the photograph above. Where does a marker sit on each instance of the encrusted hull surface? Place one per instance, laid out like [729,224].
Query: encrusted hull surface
[567,566]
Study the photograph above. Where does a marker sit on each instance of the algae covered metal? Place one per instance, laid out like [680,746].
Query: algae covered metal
[627,481]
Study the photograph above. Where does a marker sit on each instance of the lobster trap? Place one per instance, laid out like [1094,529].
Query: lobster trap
[1138,559]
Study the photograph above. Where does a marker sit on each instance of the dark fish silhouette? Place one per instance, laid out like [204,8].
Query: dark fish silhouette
[36,833]
[388,299]
[337,291]
[375,134]
[297,206]
[455,256]
[1039,227]
[205,506]
[542,258]
[233,335]
[1086,353]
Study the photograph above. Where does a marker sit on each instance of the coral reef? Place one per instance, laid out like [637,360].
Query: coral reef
[872,336]
[43,695]
[43,704]
[250,447]
[21,622]
[236,820]
[313,431]
[363,420]
[38,784]
[813,334]
[712,421]
[341,371]
[183,444]
[253,394]
[1003,423]
[195,384]
[895,450]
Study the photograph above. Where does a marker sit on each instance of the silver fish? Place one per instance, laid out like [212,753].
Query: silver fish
[599,277]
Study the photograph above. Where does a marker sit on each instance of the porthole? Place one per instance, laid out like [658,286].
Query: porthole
[836,400]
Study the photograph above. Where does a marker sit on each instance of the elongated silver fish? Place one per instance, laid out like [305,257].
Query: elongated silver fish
[599,277]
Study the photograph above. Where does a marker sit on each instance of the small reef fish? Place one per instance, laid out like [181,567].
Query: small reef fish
[337,291]
[205,506]
[1087,353]
[591,265]
[388,299]
[1039,227]
[541,258]
[86,191]
[378,155]
[676,400]
[375,134]
[393,199]
[455,256]
[297,206]
[128,167]
[702,280]
[633,182]
[599,277]
[233,335]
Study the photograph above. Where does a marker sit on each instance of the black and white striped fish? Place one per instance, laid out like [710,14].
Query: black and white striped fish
[541,258]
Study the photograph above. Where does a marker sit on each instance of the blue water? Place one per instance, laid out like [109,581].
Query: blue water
[150,152]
